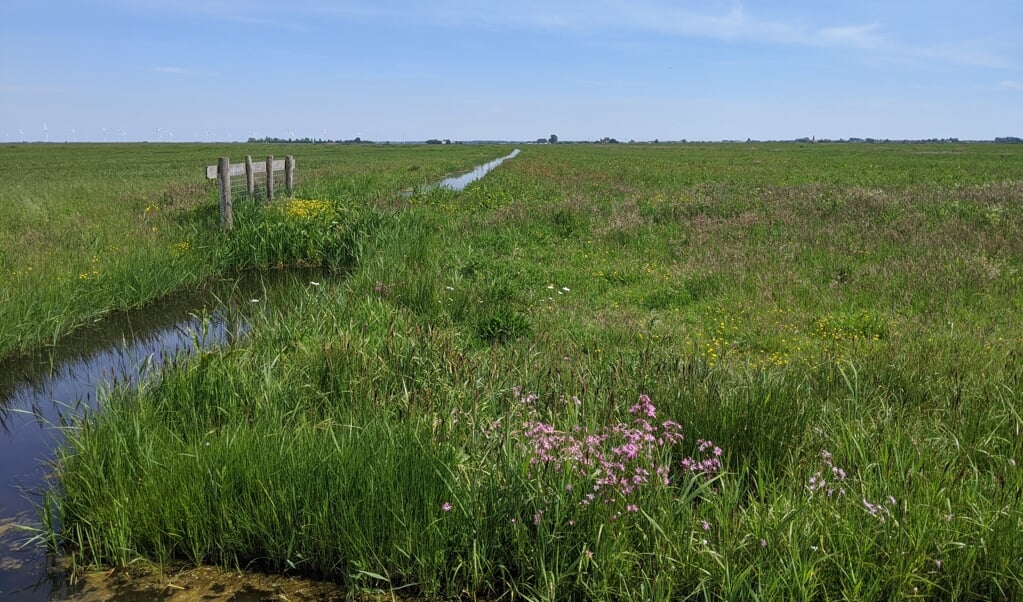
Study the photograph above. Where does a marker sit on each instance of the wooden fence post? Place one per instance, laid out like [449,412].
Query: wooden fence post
[289,174]
[223,171]
[250,178]
[269,177]
[224,175]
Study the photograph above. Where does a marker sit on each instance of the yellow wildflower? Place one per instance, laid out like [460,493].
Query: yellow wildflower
[305,208]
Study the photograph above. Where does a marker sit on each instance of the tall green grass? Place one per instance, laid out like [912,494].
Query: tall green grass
[833,328]
[86,229]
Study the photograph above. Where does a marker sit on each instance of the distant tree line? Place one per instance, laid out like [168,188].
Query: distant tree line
[553,139]
[854,140]
[275,140]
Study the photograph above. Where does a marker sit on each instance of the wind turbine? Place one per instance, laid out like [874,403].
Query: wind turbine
[104,134]
[22,132]
[46,133]
[74,135]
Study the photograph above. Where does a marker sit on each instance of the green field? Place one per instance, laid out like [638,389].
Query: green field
[735,371]
[86,229]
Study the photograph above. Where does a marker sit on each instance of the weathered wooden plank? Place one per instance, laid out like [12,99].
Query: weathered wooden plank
[238,169]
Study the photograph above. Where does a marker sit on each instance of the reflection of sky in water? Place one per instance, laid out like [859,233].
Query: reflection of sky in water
[42,401]
[49,389]
[460,182]
[55,388]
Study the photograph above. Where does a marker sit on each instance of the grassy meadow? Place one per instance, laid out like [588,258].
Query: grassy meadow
[86,229]
[739,371]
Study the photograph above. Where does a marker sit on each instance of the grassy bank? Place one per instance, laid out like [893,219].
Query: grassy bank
[724,372]
[90,228]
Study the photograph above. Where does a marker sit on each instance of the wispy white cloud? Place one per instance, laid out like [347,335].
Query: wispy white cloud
[1011,85]
[729,21]
[726,21]
[722,20]
[253,12]
[856,36]
[969,54]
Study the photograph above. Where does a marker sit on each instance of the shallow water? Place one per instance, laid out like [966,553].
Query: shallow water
[460,182]
[39,395]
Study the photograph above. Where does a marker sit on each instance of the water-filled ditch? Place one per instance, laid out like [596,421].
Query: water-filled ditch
[460,182]
[41,394]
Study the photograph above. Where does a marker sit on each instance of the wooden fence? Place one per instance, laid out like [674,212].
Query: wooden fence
[223,171]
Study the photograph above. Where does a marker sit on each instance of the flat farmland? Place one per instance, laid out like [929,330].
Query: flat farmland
[86,229]
[723,371]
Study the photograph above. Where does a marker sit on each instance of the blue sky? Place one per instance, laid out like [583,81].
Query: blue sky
[582,69]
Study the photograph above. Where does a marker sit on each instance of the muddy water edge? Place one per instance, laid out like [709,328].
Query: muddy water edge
[42,393]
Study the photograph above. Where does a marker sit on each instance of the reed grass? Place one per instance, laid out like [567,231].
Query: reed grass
[713,372]
[86,229]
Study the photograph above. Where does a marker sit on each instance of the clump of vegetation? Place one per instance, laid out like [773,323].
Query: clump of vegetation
[502,324]
[88,243]
[605,372]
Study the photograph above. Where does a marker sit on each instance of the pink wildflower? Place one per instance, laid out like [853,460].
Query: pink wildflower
[644,406]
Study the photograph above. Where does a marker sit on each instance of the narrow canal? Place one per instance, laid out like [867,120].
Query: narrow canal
[43,394]
[460,182]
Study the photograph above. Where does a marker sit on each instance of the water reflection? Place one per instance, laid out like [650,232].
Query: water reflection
[41,393]
[460,182]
